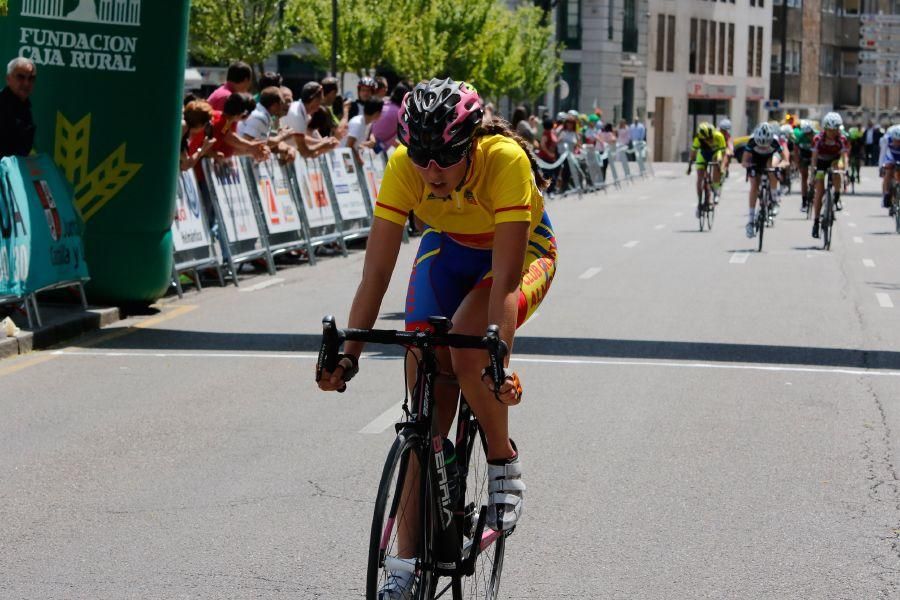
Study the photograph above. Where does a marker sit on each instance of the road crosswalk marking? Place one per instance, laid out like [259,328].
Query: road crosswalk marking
[590,272]
[884,300]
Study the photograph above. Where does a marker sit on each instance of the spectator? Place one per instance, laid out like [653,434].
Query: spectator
[638,131]
[365,89]
[262,124]
[237,107]
[188,98]
[358,132]
[336,122]
[569,140]
[591,131]
[238,80]
[547,150]
[385,128]
[287,95]
[872,139]
[17,127]
[381,87]
[608,137]
[522,125]
[197,120]
[270,79]
[623,133]
[298,116]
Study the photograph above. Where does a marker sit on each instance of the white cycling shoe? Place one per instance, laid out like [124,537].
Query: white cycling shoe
[507,491]
[399,586]
[751,230]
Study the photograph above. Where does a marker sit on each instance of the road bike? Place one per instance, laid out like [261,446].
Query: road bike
[895,203]
[826,218]
[431,506]
[764,200]
[706,201]
[854,173]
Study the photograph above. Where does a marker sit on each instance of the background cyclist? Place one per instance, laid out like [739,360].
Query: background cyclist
[707,148]
[761,152]
[487,256]
[725,130]
[803,142]
[889,160]
[830,150]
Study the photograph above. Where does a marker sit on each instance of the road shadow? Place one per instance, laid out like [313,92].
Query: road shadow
[173,340]
[889,287]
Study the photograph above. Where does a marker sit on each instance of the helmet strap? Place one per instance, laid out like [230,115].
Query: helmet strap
[465,176]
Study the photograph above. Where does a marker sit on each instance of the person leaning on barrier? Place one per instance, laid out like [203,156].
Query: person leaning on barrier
[262,124]
[297,118]
[224,131]
[238,79]
[196,121]
[385,128]
[17,127]
[359,133]
[338,110]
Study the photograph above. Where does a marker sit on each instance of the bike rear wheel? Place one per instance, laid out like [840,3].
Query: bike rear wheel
[484,582]
[401,493]
[762,216]
[827,220]
[896,200]
[710,216]
[700,210]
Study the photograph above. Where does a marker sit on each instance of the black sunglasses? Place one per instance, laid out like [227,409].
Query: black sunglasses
[444,158]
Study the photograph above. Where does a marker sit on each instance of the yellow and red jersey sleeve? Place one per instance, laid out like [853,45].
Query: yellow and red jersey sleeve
[511,184]
[400,190]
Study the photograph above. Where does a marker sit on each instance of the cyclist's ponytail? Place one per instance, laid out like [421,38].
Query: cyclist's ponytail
[497,126]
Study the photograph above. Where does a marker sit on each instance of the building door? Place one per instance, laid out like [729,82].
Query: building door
[752,114]
[660,128]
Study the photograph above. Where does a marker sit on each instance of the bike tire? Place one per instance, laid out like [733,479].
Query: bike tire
[700,210]
[484,582]
[809,205]
[388,503]
[710,217]
[827,220]
[762,217]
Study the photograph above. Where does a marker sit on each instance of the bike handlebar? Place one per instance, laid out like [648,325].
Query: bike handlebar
[333,338]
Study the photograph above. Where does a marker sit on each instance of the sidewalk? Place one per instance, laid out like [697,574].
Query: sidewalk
[61,322]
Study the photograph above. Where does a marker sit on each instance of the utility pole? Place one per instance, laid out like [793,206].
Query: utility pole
[334,37]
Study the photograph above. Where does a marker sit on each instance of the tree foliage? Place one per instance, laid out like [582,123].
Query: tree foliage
[248,30]
[4,8]
[502,51]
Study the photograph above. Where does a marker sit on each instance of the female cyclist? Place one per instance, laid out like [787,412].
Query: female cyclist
[488,255]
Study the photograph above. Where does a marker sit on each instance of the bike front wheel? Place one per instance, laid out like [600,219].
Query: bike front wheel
[402,532]
[484,582]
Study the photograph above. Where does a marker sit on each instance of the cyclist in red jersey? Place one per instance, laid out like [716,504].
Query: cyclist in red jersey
[830,150]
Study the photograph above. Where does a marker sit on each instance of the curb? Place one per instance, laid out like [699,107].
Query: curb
[57,332]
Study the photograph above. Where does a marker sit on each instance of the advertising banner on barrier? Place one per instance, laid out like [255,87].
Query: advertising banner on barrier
[319,212]
[234,200]
[189,229]
[345,182]
[373,170]
[40,227]
[275,196]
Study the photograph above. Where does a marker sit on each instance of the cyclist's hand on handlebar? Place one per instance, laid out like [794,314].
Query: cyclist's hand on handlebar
[689,169]
[511,390]
[336,381]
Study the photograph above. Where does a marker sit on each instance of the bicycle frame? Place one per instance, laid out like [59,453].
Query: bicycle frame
[447,550]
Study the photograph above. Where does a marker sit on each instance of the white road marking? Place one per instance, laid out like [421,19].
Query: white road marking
[851,224]
[632,243]
[549,361]
[262,285]
[384,420]
[660,226]
[739,258]
[643,197]
[884,300]
[678,214]
[590,272]
[857,239]
[868,262]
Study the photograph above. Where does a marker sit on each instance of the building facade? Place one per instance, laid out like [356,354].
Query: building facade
[708,60]
[605,59]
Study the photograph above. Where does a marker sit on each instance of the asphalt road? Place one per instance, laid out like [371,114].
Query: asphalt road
[700,421]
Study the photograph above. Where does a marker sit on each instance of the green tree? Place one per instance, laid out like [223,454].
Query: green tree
[539,56]
[364,27]
[4,7]
[248,30]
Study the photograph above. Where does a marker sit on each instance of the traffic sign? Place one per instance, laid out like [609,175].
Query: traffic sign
[870,19]
[880,43]
[772,104]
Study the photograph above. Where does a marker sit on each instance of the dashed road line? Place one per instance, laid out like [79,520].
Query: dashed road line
[868,262]
[857,239]
[884,300]
[739,258]
[678,214]
[262,285]
[632,243]
[660,226]
[590,272]
[851,224]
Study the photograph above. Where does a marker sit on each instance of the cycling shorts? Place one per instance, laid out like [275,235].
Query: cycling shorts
[759,163]
[823,164]
[445,271]
[706,156]
[805,157]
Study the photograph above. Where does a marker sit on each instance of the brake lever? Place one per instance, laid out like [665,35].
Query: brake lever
[331,344]
[497,351]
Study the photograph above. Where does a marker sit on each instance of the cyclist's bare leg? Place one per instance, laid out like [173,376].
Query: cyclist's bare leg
[754,189]
[493,417]
[836,181]
[773,182]
[817,199]
[701,174]
[716,176]
[804,180]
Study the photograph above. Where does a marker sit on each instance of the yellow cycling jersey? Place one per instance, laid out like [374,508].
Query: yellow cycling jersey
[500,189]
[716,144]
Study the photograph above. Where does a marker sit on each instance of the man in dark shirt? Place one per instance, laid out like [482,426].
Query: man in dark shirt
[16,122]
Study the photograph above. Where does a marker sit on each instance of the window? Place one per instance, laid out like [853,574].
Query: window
[775,63]
[792,57]
[670,44]
[629,28]
[759,51]
[721,48]
[701,68]
[571,74]
[712,47]
[751,52]
[660,42]
[849,64]
[569,23]
[627,98]
[730,61]
[692,54]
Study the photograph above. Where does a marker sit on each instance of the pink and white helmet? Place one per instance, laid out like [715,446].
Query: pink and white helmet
[439,116]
